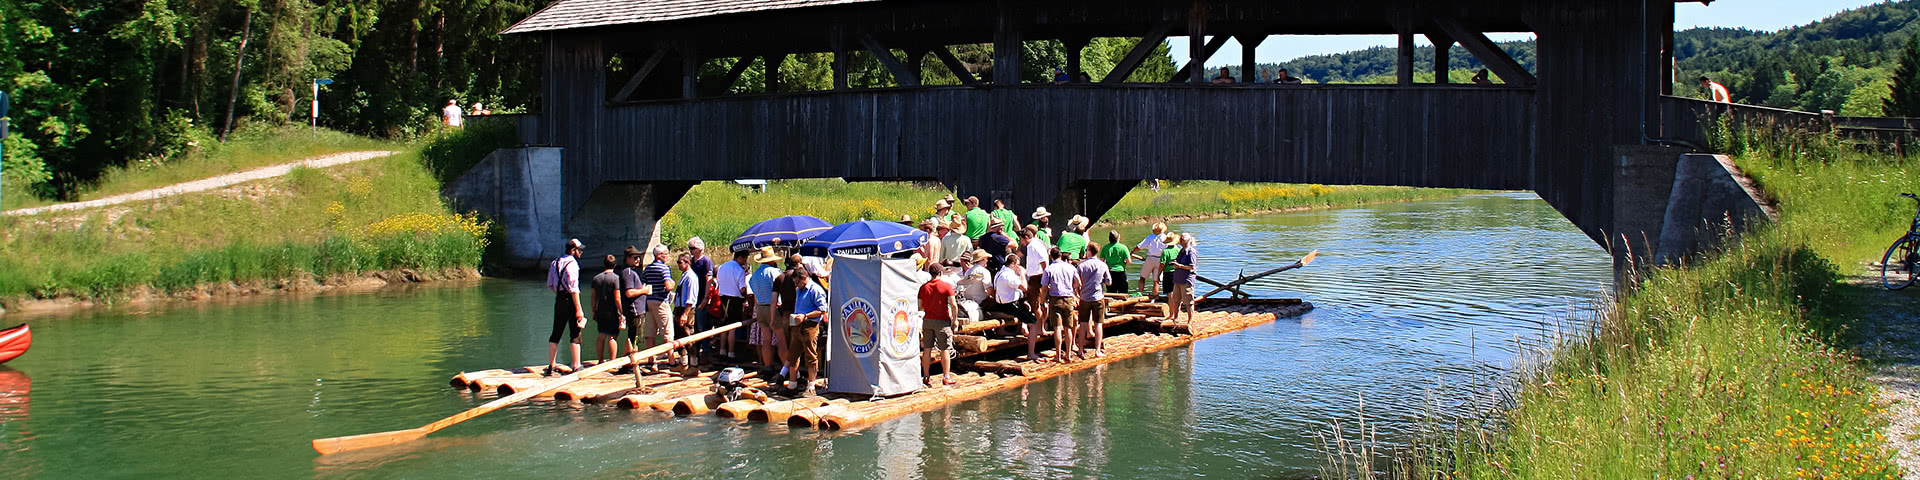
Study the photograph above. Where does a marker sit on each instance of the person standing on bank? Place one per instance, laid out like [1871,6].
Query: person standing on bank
[608,316]
[1150,267]
[730,280]
[1062,280]
[1094,278]
[1116,256]
[809,313]
[685,298]
[773,328]
[936,333]
[659,319]
[563,278]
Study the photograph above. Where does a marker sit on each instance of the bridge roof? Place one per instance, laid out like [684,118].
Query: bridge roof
[574,14]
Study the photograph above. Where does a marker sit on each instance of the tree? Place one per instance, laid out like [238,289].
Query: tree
[1904,98]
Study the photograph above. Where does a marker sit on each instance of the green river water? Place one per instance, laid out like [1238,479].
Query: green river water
[1420,305]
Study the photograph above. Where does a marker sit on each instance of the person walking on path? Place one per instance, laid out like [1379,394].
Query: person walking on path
[704,293]
[976,219]
[563,278]
[1150,267]
[607,315]
[1074,241]
[1094,278]
[685,298]
[1009,295]
[809,313]
[1116,256]
[1062,280]
[760,289]
[1037,254]
[659,319]
[1009,221]
[450,115]
[936,333]
[1715,91]
[1181,278]
[730,281]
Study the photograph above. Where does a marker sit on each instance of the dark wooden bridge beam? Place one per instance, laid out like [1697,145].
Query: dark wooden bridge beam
[1488,52]
[945,54]
[733,74]
[901,74]
[1074,46]
[1008,44]
[689,71]
[1442,56]
[626,91]
[1148,42]
[1404,72]
[773,63]
[1248,42]
[841,62]
[1200,54]
[1195,70]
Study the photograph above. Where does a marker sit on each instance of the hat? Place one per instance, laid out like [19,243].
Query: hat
[1159,228]
[942,203]
[696,243]
[981,255]
[1077,222]
[575,243]
[634,252]
[1040,213]
[930,224]
[995,223]
[1170,240]
[766,255]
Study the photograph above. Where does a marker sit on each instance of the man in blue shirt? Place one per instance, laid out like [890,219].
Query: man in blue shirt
[659,319]
[765,303]
[809,312]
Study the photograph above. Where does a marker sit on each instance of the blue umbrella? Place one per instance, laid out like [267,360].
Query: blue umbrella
[789,231]
[864,237]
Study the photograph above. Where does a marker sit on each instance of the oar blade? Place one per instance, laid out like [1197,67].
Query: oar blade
[329,446]
[1308,260]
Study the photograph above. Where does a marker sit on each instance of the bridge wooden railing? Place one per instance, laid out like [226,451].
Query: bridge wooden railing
[1694,120]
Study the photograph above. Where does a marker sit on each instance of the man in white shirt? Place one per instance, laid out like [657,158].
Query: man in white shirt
[731,280]
[1150,269]
[451,114]
[1009,293]
[563,278]
[1037,255]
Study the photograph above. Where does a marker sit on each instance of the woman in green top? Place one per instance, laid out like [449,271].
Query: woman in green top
[1117,257]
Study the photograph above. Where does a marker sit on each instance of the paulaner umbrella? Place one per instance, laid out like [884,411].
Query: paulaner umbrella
[788,231]
[864,237]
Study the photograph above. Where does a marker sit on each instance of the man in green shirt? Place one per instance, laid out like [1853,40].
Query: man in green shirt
[1167,255]
[1074,242]
[1117,257]
[1008,221]
[1040,220]
[976,219]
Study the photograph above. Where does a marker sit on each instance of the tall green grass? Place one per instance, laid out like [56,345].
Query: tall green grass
[1737,366]
[1224,198]
[380,214]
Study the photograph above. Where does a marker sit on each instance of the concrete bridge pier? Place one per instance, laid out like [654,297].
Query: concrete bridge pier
[619,214]
[1670,205]
[1089,198]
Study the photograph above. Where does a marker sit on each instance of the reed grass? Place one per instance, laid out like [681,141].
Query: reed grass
[1194,198]
[1738,365]
[381,214]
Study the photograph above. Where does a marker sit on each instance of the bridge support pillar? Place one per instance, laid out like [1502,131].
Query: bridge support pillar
[1089,198]
[618,214]
[1669,205]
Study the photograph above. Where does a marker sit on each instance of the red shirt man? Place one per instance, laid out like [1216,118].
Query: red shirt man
[936,332]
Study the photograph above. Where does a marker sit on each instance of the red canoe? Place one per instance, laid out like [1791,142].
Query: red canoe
[14,341]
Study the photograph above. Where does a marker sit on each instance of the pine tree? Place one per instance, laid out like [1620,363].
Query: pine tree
[1904,100]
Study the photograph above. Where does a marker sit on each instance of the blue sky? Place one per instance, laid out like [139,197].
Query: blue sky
[1754,14]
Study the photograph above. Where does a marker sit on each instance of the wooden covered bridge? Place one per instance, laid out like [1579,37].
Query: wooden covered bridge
[632,144]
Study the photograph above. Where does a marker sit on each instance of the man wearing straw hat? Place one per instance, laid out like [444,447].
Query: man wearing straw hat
[773,328]
[1009,221]
[1041,221]
[943,211]
[1180,272]
[1150,267]
[954,244]
[1074,241]
[997,243]
[1037,254]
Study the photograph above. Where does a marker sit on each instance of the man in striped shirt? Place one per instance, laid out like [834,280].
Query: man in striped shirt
[659,319]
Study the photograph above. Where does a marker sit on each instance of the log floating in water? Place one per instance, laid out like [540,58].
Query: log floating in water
[460,381]
[777,412]
[810,417]
[696,404]
[738,409]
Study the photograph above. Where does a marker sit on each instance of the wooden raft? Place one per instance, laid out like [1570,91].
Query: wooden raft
[692,395]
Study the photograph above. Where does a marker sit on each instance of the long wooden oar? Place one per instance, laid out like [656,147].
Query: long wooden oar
[329,446]
[1235,285]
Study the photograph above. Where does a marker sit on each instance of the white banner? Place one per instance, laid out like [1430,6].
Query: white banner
[873,338]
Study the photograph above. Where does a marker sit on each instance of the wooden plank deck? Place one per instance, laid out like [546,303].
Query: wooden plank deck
[691,395]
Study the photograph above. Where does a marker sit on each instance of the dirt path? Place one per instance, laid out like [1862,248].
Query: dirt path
[205,183]
[1890,341]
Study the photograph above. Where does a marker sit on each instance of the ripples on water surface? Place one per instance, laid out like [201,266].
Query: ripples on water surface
[1413,299]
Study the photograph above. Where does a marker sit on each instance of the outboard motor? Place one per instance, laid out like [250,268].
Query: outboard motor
[727,383]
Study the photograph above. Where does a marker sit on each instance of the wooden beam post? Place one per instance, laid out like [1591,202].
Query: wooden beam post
[653,61]
[916,58]
[690,71]
[1405,72]
[1140,51]
[1442,57]
[1247,61]
[1188,71]
[838,42]
[733,74]
[901,74]
[1488,52]
[1074,46]
[1196,43]
[1008,43]
[773,71]
[959,70]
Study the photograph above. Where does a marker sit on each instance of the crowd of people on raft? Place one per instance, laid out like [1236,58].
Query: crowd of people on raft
[972,263]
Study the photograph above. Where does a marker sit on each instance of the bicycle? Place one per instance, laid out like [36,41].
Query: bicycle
[1897,272]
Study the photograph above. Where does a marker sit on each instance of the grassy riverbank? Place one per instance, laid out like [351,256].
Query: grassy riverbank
[721,210]
[376,215]
[1737,366]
